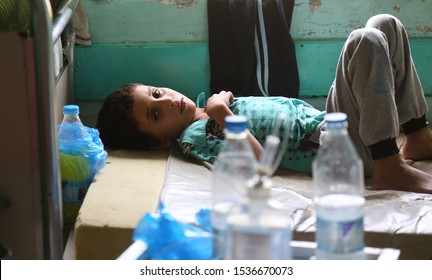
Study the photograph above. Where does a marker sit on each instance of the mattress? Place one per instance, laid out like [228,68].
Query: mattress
[125,190]
[393,219]
[134,183]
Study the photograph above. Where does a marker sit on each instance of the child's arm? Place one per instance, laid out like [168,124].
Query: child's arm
[217,108]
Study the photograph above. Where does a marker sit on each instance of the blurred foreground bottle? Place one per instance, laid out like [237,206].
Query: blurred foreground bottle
[339,203]
[235,165]
[258,228]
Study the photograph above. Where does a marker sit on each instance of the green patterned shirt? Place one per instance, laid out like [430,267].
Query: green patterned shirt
[203,139]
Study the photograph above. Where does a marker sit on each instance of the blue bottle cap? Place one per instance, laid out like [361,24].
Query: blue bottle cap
[337,119]
[236,124]
[70,109]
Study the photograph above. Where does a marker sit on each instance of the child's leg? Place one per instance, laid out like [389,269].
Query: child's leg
[409,97]
[364,89]
[418,145]
[366,84]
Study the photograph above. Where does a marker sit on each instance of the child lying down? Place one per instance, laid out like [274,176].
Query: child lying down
[381,96]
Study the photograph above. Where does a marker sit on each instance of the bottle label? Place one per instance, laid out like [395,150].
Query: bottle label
[219,239]
[339,237]
[247,246]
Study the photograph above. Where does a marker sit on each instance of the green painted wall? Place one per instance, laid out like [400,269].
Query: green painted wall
[102,68]
[143,21]
[164,42]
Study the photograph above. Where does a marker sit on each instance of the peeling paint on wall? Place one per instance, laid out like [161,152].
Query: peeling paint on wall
[181,4]
[194,35]
[396,8]
[353,24]
[314,5]
[424,29]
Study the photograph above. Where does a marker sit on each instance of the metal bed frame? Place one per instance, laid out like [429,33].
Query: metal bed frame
[46,30]
[46,33]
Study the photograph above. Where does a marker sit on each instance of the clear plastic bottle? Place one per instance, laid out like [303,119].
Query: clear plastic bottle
[339,203]
[75,169]
[258,228]
[234,166]
[71,128]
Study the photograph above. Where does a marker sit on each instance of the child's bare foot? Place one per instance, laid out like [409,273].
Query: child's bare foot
[393,173]
[418,145]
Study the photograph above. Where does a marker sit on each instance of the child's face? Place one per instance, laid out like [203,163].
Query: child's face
[162,112]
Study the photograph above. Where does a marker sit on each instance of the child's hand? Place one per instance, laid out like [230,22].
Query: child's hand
[217,106]
[220,99]
[217,109]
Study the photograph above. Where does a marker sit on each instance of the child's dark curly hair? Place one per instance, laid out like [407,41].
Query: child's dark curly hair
[116,125]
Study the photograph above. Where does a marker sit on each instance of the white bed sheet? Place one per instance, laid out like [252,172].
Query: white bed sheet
[393,219]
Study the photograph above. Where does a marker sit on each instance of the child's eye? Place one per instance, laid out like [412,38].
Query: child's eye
[156,93]
[155,115]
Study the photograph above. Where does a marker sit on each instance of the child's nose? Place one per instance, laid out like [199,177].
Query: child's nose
[167,101]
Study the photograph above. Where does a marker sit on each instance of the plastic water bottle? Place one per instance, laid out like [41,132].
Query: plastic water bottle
[339,202]
[234,166]
[258,228]
[71,128]
[75,169]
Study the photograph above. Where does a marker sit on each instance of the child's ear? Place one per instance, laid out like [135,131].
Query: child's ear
[162,145]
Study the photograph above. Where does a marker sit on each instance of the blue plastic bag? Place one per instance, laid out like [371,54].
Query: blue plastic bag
[85,156]
[169,239]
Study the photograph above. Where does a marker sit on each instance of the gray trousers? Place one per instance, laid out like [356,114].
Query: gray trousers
[376,84]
